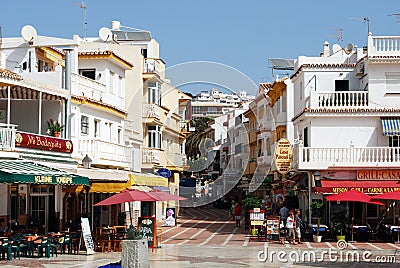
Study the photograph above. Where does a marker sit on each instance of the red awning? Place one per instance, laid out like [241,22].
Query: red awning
[368,187]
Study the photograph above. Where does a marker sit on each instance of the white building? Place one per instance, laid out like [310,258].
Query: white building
[346,119]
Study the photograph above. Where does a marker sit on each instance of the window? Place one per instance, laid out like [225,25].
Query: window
[154,92]
[196,109]
[121,87]
[301,90]
[120,135]
[89,73]
[212,110]
[144,52]
[154,137]
[341,85]
[97,128]
[84,125]
[394,141]
[393,82]
[305,136]
[111,83]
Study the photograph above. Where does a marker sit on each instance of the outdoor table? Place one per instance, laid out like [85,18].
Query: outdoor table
[119,229]
[32,241]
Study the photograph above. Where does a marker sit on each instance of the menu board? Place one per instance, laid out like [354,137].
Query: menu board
[273,227]
[256,217]
[87,236]
[147,228]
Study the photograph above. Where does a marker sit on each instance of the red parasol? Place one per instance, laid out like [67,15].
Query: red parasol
[164,196]
[127,195]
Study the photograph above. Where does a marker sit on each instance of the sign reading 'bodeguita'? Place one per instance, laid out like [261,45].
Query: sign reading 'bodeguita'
[283,156]
[28,140]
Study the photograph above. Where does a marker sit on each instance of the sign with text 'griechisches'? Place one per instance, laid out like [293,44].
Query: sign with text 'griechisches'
[283,156]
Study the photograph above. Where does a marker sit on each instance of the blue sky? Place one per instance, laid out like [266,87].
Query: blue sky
[240,34]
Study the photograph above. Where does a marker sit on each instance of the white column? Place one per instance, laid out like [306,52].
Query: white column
[40,113]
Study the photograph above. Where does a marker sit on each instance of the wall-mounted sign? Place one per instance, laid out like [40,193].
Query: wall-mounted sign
[164,172]
[39,142]
[378,174]
[283,156]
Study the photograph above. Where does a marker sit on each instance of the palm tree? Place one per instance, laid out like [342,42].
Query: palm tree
[194,139]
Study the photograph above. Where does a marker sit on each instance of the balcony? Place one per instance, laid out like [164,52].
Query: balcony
[151,156]
[83,86]
[7,137]
[154,66]
[177,160]
[383,45]
[339,99]
[151,111]
[106,153]
[308,158]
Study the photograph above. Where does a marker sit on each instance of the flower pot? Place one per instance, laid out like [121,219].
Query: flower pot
[341,237]
[56,134]
[317,238]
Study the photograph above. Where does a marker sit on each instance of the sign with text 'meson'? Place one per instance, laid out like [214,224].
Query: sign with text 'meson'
[39,142]
[283,156]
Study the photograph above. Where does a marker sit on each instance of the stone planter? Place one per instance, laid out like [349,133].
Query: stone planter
[135,254]
[317,238]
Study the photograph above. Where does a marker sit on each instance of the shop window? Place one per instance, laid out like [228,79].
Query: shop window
[372,211]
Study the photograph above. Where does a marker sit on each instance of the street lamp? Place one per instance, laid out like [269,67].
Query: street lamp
[86,162]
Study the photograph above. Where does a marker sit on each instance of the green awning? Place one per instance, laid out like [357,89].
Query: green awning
[21,171]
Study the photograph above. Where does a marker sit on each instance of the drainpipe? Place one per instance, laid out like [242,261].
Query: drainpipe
[68,87]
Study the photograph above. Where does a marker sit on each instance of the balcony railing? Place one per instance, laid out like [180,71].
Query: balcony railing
[177,160]
[383,45]
[320,158]
[151,110]
[153,66]
[339,99]
[106,153]
[87,87]
[151,155]
[7,137]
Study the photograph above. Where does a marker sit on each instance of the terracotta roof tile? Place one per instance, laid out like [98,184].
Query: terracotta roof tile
[8,74]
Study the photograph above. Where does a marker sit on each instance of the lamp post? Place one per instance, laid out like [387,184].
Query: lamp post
[86,162]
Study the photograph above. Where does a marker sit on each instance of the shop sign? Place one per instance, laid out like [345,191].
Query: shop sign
[39,142]
[283,156]
[378,174]
[53,180]
[164,172]
[366,190]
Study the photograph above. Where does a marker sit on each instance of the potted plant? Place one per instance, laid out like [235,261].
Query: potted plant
[316,210]
[54,127]
[338,221]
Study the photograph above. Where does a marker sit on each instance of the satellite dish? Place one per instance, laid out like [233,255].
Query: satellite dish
[105,34]
[336,48]
[349,47]
[29,33]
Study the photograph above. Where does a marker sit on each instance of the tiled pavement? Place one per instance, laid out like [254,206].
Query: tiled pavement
[204,237]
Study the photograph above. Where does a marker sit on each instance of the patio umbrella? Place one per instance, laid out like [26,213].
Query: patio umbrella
[353,196]
[391,196]
[127,195]
[164,196]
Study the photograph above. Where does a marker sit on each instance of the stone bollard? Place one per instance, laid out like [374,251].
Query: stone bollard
[135,254]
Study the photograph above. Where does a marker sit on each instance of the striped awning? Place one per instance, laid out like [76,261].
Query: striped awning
[21,171]
[391,126]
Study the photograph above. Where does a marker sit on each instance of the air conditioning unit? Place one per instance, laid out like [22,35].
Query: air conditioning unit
[360,69]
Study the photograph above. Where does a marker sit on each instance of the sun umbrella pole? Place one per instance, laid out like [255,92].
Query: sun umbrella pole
[398,225]
[130,213]
[352,226]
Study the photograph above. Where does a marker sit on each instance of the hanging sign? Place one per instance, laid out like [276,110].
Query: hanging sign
[283,156]
[87,236]
[40,142]
[164,172]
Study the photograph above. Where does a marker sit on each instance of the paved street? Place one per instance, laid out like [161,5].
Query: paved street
[204,237]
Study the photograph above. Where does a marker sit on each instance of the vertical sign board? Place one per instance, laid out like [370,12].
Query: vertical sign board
[147,228]
[170,217]
[283,156]
[87,236]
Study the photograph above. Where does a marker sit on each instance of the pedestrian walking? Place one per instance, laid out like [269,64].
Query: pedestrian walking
[297,220]
[291,226]
[237,211]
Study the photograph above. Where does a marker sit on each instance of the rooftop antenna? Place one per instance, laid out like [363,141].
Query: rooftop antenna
[83,6]
[339,35]
[365,19]
[397,15]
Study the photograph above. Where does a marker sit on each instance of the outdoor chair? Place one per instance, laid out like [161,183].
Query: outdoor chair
[76,242]
[65,242]
[49,245]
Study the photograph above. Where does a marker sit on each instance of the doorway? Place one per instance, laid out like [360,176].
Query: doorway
[39,208]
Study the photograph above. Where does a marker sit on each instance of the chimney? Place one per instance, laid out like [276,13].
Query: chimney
[115,25]
[326,52]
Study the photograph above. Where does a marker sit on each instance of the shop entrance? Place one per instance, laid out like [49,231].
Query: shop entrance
[39,208]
